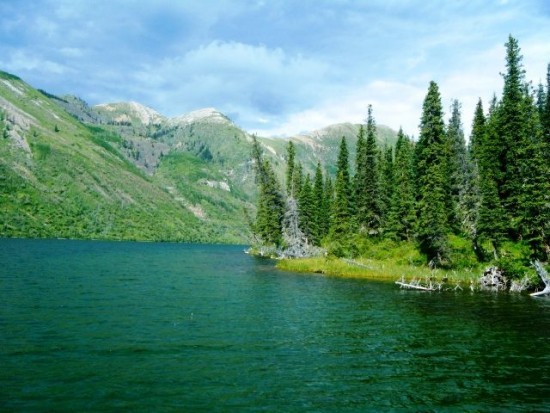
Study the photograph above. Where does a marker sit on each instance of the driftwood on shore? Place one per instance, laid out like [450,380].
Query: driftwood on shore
[414,286]
[544,277]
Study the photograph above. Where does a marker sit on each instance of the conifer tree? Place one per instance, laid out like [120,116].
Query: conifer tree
[270,208]
[290,159]
[306,211]
[297,180]
[402,214]
[269,216]
[532,197]
[320,215]
[478,131]
[340,214]
[490,225]
[457,166]
[386,182]
[545,118]
[541,100]
[359,177]
[367,185]
[328,201]
[431,166]
[510,128]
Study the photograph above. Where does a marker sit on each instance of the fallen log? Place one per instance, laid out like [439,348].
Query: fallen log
[544,277]
[414,286]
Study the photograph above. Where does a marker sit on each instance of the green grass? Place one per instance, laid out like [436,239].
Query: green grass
[393,261]
[378,269]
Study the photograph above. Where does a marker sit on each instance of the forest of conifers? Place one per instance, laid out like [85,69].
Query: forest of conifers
[492,191]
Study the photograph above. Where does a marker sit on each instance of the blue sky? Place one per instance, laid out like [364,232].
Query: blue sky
[275,67]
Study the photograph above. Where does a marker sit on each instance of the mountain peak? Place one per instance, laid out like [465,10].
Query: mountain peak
[126,111]
[207,115]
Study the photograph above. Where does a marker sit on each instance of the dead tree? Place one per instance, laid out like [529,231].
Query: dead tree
[544,277]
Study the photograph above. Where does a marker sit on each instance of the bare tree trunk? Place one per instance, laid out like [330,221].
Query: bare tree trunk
[544,277]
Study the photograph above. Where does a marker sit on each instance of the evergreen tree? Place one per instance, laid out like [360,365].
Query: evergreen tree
[386,182]
[457,167]
[532,196]
[510,128]
[268,224]
[341,206]
[320,214]
[368,208]
[469,204]
[541,100]
[290,159]
[271,207]
[342,165]
[431,167]
[545,118]
[327,205]
[297,180]
[402,215]
[360,175]
[490,224]
[306,211]
[490,157]
[478,131]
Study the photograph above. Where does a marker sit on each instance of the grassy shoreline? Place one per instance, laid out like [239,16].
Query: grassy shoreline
[382,270]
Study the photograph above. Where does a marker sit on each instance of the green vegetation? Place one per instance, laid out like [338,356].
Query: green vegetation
[439,205]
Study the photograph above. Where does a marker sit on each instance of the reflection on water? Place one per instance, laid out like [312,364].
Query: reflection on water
[96,326]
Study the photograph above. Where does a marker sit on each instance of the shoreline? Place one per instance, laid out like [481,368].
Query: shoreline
[406,276]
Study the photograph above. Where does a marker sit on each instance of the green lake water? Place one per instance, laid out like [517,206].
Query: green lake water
[139,327]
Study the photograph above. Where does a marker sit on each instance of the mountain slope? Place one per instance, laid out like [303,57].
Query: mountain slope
[59,178]
[124,171]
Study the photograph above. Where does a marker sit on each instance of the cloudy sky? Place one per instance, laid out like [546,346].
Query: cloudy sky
[276,67]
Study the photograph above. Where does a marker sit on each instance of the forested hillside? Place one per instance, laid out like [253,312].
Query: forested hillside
[124,171]
[458,203]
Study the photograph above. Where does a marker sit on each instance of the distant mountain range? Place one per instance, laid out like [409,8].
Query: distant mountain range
[124,171]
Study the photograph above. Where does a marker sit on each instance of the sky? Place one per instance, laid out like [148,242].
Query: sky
[275,67]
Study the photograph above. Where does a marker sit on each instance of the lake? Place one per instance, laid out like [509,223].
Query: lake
[158,327]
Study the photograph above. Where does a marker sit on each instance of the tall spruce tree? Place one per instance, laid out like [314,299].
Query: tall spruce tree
[271,205]
[532,197]
[478,131]
[359,177]
[471,198]
[457,167]
[341,205]
[320,214]
[297,180]
[511,130]
[402,214]
[328,201]
[431,166]
[368,208]
[541,100]
[386,182]
[490,225]
[290,168]
[545,118]
[306,211]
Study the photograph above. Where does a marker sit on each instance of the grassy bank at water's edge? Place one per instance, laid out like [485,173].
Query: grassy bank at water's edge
[378,270]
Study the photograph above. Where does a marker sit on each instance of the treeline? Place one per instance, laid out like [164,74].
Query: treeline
[493,190]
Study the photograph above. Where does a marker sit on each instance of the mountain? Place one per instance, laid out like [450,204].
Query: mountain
[124,171]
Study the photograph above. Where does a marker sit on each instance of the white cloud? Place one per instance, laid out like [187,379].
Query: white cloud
[21,61]
[394,104]
[233,76]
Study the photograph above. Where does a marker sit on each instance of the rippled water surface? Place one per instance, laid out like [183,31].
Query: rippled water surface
[98,326]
